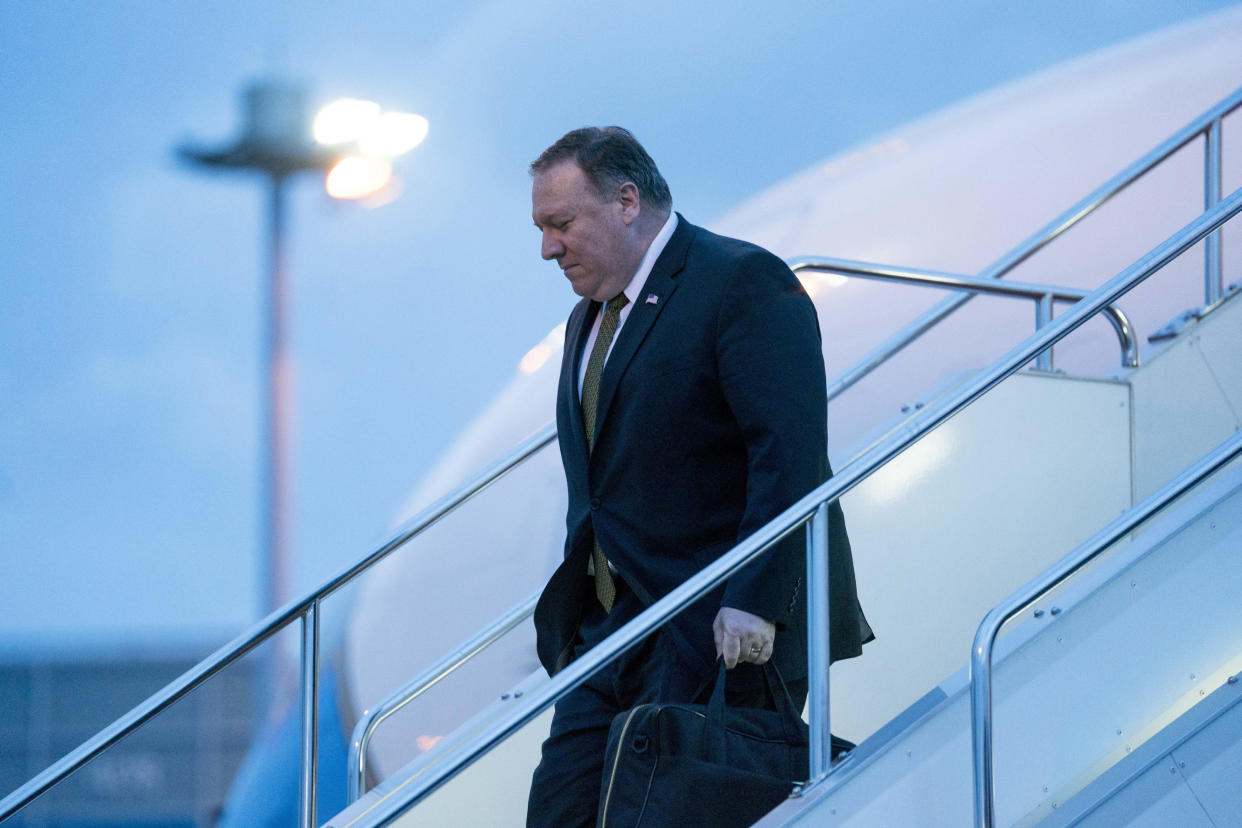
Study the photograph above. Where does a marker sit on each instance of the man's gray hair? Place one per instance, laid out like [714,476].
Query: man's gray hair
[609,156]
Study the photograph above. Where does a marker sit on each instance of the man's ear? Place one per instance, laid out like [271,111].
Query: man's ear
[631,205]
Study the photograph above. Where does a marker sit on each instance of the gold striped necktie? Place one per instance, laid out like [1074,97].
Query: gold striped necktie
[605,589]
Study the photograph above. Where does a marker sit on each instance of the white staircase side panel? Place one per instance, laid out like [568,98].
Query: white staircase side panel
[1157,799]
[1187,398]
[1140,638]
[1211,763]
[1217,341]
[1186,775]
[968,514]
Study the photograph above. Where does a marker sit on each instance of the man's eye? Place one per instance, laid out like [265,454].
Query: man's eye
[564,225]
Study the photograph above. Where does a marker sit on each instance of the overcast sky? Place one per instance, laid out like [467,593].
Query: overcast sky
[130,286]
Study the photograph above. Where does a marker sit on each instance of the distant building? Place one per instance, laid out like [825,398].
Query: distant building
[173,773]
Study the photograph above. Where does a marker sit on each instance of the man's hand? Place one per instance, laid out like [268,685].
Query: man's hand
[742,637]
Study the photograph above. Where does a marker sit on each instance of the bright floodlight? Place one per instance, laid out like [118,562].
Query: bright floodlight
[392,134]
[358,177]
[345,120]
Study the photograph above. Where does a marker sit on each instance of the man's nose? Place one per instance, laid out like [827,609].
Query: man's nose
[552,249]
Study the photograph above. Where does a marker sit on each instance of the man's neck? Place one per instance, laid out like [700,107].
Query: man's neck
[650,225]
[639,241]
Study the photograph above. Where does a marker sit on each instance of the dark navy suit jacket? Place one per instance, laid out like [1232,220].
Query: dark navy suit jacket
[711,421]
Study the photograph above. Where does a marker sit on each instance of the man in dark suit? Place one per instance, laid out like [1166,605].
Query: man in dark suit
[691,410]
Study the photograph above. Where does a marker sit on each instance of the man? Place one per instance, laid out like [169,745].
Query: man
[691,410]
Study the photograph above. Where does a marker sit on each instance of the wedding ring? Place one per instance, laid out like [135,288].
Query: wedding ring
[756,650]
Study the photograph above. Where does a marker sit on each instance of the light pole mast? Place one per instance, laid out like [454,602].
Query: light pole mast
[276,142]
[277,536]
[353,141]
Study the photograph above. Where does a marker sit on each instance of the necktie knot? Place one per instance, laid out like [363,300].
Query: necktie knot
[616,303]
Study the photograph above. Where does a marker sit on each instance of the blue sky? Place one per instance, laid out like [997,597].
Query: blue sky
[130,287]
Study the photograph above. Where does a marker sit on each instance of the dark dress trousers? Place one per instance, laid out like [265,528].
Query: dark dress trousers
[711,420]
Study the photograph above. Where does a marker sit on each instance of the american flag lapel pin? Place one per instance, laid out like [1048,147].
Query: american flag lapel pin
[652,299]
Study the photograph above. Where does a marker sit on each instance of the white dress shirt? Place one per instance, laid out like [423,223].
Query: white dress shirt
[632,291]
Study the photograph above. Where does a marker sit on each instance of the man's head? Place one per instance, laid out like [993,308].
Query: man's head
[599,200]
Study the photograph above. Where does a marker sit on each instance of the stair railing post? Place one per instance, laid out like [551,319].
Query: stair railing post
[1213,284]
[819,644]
[981,719]
[310,716]
[1043,315]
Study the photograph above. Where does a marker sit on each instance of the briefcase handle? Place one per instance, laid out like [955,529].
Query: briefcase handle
[791,719]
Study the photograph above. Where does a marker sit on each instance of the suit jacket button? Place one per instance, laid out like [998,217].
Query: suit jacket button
[595,504]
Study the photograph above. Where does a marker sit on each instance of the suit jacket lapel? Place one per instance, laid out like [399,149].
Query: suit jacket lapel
[660,283]
[576,333]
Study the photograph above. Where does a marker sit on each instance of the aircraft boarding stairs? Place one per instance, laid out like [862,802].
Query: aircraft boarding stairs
[1097,520]
[1115,693]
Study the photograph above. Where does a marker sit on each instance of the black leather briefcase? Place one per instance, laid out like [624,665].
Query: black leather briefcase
[671,764]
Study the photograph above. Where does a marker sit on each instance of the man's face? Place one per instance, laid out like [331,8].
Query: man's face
[588,236]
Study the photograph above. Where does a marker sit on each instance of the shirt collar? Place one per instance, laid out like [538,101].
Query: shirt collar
[653,252]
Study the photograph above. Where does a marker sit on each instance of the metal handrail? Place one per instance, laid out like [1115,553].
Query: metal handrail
[989,628]
[1207,124]
[457,751]
[415,687]
[1043,295]
[305,609]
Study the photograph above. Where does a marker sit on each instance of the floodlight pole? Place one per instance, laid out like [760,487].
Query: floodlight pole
[275,141]
[277,527]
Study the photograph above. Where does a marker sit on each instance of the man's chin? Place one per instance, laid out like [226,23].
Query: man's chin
[579,287]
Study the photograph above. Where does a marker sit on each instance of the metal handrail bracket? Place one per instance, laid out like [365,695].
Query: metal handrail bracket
[458,751]
[981,682]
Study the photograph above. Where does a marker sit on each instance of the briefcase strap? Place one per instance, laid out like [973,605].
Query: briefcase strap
[714,733]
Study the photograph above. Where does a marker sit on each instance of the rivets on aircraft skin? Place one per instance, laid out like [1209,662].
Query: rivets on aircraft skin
[504,697]
[1233,679]
[1039,613]
[1055,610]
